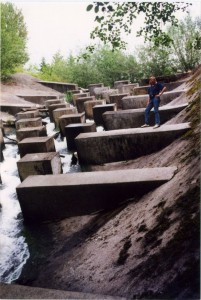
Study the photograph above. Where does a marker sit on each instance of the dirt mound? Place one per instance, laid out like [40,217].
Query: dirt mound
[23,84]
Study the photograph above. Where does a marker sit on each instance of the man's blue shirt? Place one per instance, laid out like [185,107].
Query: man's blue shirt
[155,89]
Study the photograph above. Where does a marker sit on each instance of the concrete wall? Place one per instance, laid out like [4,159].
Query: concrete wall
[167,78]
[142,90]
[61,87]
[38,99]
[13,109]
[133,118]
[124,144]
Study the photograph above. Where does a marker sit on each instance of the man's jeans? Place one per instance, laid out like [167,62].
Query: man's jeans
[153,103]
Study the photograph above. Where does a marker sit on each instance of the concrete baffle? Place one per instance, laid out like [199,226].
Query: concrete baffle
[52,107]
[51,197]
[92,86]
[62,111]
[70,119]
[39,164]
[128,88]
[24,133]
[88,107]
[36,145]
[80,95]
[119,83]
[32,122]
[133,118]
[27,114]
[140,101]
[106,94]
[53,101]
[73,130]
[80,103]
[98,111]
[124,144]
[117,99]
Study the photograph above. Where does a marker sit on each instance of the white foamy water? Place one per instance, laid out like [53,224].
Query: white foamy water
[13,248]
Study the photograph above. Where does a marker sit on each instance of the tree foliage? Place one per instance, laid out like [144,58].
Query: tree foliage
[186,43]
[114,18]
[13,39]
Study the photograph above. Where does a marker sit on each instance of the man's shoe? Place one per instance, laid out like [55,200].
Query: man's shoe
[145,125]
[156,126]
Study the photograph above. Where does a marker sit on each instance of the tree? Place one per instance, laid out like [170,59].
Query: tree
[186,39]
[156,61]
[115,18]
[13,39]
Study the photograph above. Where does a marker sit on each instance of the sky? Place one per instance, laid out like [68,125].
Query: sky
[65,26]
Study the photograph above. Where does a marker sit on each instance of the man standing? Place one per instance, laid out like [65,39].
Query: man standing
[155,90]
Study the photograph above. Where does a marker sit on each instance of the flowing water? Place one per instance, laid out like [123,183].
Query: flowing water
[14,250]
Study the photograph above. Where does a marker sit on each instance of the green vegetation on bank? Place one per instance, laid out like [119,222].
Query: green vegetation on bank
[13,39]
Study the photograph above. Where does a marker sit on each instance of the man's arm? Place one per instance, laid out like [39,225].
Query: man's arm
[161,92]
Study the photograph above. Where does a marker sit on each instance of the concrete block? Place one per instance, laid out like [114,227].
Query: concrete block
[119,83]
[32,122]
[99,90]
[80,103]
[53,101]
[132,118]
[124,144]
[53,197]
[55,106]
[36,145]
[91,87]
[117,99]
[70,119]
[39,164]
[88,107]
[24,133]
[27,114]
[73,130]
[62,111]
[80,95]
[98,111]
[140,101]
[128,88]
[106,94]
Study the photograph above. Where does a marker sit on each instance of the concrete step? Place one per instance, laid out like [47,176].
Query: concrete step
[123,144]
[133,118]
[51,197]
[140,101]
[14,291]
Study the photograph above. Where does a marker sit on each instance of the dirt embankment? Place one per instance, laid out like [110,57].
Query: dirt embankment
[147,248]
[18,86]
